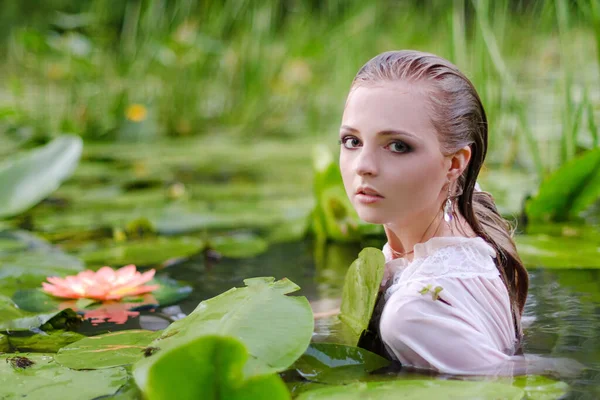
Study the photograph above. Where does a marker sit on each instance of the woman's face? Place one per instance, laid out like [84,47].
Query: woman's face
[390,158]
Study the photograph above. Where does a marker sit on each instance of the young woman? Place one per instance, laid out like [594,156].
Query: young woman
[413,139]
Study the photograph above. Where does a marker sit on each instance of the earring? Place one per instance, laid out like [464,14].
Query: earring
[448,207]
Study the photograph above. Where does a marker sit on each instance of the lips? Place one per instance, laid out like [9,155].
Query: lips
[369,191]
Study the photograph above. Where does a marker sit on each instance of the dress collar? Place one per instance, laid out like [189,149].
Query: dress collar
[426,249]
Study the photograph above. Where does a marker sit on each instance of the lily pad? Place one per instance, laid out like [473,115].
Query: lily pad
[36,300]
[29,178]
[44,342]
[417,390]
[4,344]
[359,295]
[27,260]
[239,245]
[540,387]
[170,291]
[208,367]
[274,327]
[13,318]
[337,364]
[46,379]
[147,252]
[106,351]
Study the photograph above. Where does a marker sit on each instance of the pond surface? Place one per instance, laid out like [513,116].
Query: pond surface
[564,305]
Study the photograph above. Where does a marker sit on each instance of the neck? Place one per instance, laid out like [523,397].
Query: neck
[403,240]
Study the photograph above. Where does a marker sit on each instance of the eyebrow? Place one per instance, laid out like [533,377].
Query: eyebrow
[386,132]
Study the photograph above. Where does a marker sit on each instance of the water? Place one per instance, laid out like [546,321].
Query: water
[564,305]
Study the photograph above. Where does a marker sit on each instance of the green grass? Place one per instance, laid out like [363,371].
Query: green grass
[283,68]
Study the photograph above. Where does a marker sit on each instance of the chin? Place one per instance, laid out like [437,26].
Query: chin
[371,216]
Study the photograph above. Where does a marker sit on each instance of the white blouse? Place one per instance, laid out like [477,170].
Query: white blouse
[448,309]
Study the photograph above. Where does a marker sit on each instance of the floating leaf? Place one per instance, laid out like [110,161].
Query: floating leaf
[239,245]
[170,291]
[274,327]
[129,391]
[46,379]
[416,390]
[540,387]
[106,351]
[45,342]
[293,230]
[35,300]
[208,367]
[359,295]
[27,260]
[13,318]
[29,178]
[568,191]
[337,364]
[4,344]
[147,252]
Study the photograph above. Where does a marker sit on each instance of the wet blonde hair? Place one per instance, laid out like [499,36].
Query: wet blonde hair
[458,116]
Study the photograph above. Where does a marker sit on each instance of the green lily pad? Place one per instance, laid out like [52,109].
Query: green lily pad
[170,290]
[208,367]
[4,344]
[289,231]
[228,217]
[46,379]
[359,295]
[558,252]
[36,300]
[46,342]
[337,364]
[540,387]
[274,327]
[417,390]
[239,245]
[27,260]
[147,252]
[29,178]
[129,391]
[298,387]
[106,351]
[13,318]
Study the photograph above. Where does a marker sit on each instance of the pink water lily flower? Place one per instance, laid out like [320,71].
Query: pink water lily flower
[104,284]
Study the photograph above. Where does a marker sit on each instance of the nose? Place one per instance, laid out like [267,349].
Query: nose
[366,162]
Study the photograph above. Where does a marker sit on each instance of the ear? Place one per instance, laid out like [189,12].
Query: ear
[458,162]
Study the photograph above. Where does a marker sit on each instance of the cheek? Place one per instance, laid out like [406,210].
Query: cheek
[419,182]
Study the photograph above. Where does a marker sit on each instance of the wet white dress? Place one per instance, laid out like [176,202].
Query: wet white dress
[467,328]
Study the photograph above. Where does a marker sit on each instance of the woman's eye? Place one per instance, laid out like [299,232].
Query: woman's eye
[350,142]
[398,147]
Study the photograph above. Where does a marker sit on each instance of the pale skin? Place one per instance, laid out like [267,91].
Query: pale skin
[393,168]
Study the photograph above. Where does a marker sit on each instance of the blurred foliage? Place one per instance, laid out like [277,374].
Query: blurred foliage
[138,69]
